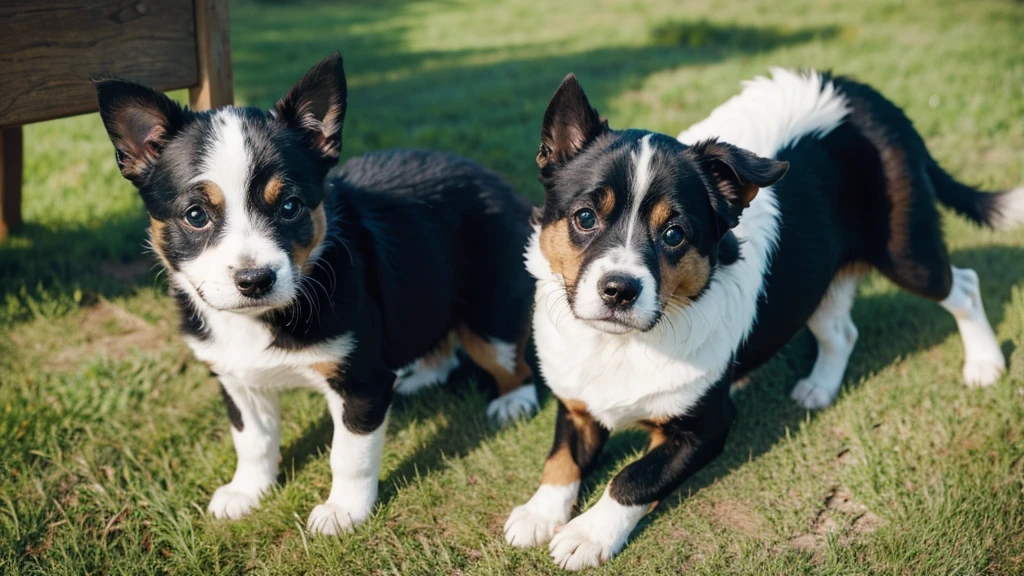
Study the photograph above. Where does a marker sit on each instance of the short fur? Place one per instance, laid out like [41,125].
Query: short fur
[285,282]
[722,261]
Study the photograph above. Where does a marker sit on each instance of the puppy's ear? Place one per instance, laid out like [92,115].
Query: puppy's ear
[570,123]
[316,106]
[736,176]
[139,121]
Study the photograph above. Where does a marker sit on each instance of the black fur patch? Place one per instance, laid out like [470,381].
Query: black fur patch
[234,414]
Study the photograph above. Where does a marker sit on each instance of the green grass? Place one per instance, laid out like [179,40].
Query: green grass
[113,438]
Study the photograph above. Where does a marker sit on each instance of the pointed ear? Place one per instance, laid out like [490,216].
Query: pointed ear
[570,123]
[736,175]
[139,121]
[316,105]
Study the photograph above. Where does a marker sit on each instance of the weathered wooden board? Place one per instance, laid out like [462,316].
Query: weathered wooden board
[51,49]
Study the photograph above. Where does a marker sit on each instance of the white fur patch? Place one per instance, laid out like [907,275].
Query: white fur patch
[355,468]
[836,335]
[505,354]
[421,375]
[519,403]
[1011,210]
[257,447]
[983,359]
[595,536]
[534,523]
[623,378]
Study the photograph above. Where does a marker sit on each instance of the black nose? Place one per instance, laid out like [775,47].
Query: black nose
[619,290]
[254,282]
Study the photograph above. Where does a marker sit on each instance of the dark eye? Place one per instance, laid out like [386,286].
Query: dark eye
[586,219]
[673,236]
[291,208]
[196,217]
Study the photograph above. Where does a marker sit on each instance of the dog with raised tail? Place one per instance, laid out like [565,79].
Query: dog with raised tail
[668,267]
[284,281]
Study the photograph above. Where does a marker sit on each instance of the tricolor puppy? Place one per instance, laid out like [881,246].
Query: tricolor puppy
[284,281]
[668,267]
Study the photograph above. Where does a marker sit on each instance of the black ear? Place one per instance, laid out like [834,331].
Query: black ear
[139,121]
[736,175]
[316,105]
[570,123]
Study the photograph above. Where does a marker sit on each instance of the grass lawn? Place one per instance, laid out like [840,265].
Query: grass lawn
[112,438]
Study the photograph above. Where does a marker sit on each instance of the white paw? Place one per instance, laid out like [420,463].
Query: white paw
[579,545]
[811,395]
[983,371]
[519,403]
[413,378]
[329,519]
[528,527]
[230,502]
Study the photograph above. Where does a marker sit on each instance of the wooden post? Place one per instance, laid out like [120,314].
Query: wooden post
[11,152]
[213,52]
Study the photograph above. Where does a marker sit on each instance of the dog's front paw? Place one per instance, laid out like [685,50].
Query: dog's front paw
[229,501]
[529,527]
[519,403]
[984,371]
[579,545]
[330,519]
[812,395]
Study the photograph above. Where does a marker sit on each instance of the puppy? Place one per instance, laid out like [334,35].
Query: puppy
[668,268]
[283,281]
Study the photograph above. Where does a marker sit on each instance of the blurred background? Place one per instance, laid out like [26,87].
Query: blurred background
[113,438]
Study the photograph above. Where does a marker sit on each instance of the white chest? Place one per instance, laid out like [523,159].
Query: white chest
[621,379]
[240,348]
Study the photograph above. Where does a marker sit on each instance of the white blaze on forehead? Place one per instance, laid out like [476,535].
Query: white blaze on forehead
[226,163]
[640,181]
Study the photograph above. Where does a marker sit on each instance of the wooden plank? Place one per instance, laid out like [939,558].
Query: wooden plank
[213,52]
[10,180]
[51,49]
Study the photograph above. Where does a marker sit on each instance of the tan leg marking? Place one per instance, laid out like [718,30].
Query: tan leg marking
[484,353]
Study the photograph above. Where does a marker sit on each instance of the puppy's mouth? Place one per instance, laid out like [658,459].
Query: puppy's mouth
[619,322]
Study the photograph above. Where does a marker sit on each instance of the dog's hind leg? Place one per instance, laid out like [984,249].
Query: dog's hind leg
[432,369]
[916,260]
[983,360]
[505,361]
[836,334]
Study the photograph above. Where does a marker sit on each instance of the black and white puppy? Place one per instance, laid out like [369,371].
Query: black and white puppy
[668,267]
[284,281]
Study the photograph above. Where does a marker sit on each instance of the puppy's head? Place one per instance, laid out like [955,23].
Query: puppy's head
[635,221]
[235,195]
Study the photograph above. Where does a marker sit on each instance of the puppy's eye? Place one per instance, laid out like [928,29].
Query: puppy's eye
[291,208]
[586,219]
[196,217]
[673,236]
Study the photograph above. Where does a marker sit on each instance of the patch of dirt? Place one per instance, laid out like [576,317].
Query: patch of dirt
[840,514]
[739,517]
[106,328]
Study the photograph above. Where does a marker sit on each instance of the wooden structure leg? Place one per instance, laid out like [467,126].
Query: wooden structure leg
[11,153]
[213,52]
